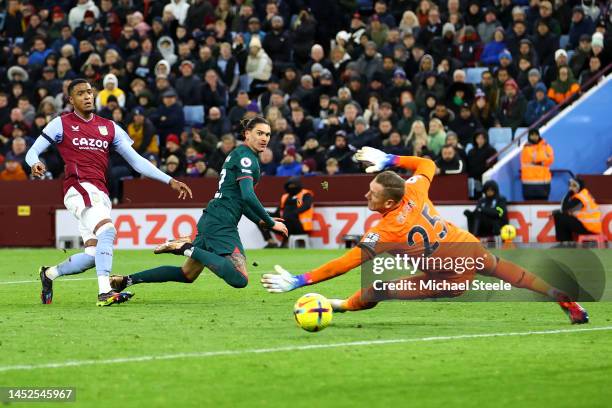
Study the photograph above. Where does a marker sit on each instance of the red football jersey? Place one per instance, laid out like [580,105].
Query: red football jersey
[85,147]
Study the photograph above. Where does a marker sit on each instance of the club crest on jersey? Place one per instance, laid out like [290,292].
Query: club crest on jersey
[245,162]
[103,130]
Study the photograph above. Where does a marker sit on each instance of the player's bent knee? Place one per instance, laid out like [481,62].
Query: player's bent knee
[90,250]
[107,229]
[240,278]
[240,282]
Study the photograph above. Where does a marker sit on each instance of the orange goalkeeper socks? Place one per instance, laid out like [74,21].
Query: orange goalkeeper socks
[522,278]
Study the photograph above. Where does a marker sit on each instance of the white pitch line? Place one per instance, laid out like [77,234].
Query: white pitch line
[205,354]
[38,281]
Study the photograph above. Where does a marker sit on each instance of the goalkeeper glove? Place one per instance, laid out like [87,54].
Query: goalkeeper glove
[281,281]
[379,159]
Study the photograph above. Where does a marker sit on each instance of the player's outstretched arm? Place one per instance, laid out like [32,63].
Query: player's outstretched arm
[380,160]
[257,210]
[147,169]
[284,281]
[32,157]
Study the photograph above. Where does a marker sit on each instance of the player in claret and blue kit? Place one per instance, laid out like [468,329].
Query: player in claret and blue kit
[84,140]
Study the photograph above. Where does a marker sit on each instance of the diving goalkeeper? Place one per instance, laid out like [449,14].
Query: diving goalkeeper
[409,216]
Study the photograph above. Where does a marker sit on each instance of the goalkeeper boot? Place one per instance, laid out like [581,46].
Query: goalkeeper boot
[46,295]
[119,282]
[576,313]
[113,297]
[176,246]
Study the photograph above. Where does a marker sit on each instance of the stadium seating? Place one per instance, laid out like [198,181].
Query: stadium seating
[295,239]
[499,138]
[194,115]
[473,75]
[519,132]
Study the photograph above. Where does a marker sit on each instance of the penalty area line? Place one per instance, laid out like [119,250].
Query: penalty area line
[207,354]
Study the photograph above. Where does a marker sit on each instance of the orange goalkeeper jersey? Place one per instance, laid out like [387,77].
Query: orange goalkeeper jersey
[415,225]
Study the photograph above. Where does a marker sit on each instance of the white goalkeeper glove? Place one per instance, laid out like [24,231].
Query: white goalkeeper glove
[279,282]
[379,159]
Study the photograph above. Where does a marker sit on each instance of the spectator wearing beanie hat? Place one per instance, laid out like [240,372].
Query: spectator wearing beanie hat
[444,46]
[173,147]
[486,29]
[533,78]
[512,106]
[580,59]
[598,49]
[505,61]
[77,13]
[88,26]
[111,87]
[561,60]
[290,164]
[539,106]
[545,43]
[581,24]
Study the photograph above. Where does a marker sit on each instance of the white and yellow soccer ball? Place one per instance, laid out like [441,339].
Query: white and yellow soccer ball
[313,312]
[508,233]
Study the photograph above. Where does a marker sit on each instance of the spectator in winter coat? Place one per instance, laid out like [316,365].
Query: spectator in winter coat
[545,43]
[478,155]
[465,124]
[290,164]
[216,160]
[168,118]
[512,106]
[538,107]
[370,62]
[188,85]
[437,136]
[487,28]
[142,131]
[449,161]
[490,214]
[111,87]
[77,13]
[580,59]
[564,87]
[581,25]
[258,65]
[343,152]
[492,49]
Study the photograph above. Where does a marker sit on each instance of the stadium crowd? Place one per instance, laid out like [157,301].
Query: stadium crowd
[330,76]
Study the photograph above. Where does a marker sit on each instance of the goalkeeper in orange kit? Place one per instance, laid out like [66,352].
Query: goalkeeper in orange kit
[410,220]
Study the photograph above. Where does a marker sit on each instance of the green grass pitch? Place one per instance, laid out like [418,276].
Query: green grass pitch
[222,328]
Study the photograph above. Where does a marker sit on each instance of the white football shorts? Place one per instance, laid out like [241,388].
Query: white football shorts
[88,217]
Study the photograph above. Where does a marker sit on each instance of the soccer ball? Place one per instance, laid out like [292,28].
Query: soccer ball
[312,312]
[508,232]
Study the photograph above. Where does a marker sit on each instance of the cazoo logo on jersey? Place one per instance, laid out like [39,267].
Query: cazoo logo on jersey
[90,144]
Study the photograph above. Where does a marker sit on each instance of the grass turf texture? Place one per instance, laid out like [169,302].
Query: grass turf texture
[568,369]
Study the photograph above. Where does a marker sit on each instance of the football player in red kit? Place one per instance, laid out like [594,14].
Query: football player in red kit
[84,140]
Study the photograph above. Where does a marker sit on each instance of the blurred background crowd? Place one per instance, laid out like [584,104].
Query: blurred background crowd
[427,78]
